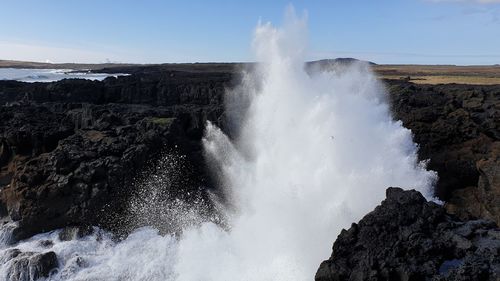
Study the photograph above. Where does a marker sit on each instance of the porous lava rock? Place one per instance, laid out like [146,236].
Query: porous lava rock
[409,238]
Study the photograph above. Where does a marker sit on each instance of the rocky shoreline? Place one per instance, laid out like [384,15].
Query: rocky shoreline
[70,150]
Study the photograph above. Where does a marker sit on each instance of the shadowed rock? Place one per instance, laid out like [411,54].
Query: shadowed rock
[28,266]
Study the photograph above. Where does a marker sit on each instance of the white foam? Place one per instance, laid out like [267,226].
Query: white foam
[50,75]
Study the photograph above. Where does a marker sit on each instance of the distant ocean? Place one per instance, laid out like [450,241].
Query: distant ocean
[50,75]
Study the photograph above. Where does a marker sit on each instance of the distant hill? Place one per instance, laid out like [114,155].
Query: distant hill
[340,61]
[338,64]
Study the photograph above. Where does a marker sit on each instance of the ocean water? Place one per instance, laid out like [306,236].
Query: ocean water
[49,75]
[315,151]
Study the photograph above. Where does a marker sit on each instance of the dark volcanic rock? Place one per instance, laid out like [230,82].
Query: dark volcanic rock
[482,200]
[457,128]
[87,178]
[152,87]
[27,266]
[70,150]
[70,233]
[408,238]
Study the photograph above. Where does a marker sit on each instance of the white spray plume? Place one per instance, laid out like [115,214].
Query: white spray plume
[316,152]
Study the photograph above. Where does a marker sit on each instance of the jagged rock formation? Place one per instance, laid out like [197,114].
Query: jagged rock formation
[408,238]
[69,150]
[458,129]
[27,266]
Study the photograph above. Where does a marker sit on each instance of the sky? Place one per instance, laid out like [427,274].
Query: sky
[460,32]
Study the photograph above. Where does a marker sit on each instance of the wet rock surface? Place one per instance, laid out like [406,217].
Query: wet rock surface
[408,238]
[27,266]
[70,233]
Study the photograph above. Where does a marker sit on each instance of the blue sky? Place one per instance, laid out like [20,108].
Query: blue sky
[153,31]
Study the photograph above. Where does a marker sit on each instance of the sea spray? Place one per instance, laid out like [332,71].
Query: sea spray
[166,197]
[314,152]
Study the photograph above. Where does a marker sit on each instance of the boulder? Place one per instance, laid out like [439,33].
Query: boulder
[408,238]
[28,266]
[70,233]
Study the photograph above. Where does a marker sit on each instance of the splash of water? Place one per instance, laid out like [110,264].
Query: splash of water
[315,152]
[165,198]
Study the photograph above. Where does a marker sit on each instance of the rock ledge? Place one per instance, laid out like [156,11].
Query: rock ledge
[408,238]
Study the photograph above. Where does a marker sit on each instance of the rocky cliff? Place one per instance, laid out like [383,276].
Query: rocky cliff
[421,242]
[458,130]
[69,150]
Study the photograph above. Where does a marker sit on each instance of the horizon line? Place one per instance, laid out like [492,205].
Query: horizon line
[48,63]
